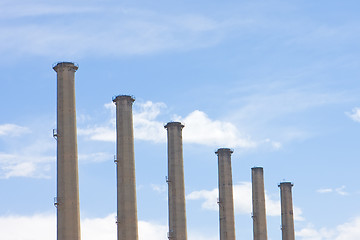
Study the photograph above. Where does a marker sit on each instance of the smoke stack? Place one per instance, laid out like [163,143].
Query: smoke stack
[287,212]
[176,188]
[226,202]
[258,204]
[127,225]
[67,200]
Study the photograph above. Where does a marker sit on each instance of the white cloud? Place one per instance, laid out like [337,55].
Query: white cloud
[242,194]
[43,227]
[310,233]
[349,230]
[12,130]
[36,227]
[200,129]
[209,196]
[145,125]
[20,170]
[99,228]
[298,214]
[355,114]
[346,231]
[99,133]
[152,231]
[197,125]
[242,198]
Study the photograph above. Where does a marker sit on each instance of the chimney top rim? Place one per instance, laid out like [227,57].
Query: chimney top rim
[255,167]
[174,123]
[64,63]
[123,96]
[285,183]
[224,150]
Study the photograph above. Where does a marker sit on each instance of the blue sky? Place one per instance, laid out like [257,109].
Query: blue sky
[277,81]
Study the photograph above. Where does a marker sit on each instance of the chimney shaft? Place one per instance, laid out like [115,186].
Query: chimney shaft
[68,211]
[176,188]
[287,212]
[226,202]
[127,225]
[258,204]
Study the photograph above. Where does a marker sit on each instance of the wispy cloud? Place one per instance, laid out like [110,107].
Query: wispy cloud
[325,190]
[119,31]
[25,164]
[123,30]
[266,102]
[99,133]
[272,110]
[12,130]
[354,114]
[339,190]
[159,188]
[10,10]
[34,154]
[30,156]
[242,201]
[96,157]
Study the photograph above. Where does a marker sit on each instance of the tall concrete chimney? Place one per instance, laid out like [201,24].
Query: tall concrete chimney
[226,202]
[67,200]
[287,212]
[127,225]
[176,186]
[258,204]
